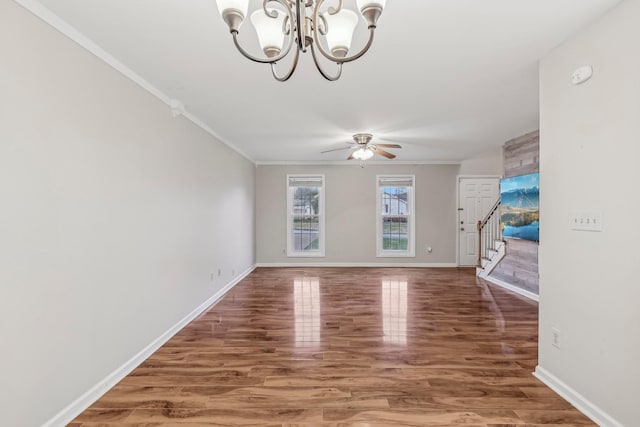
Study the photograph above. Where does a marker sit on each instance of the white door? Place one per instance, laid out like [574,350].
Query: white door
[477,197]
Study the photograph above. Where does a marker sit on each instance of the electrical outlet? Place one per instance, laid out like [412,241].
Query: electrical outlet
[555,337]
[219,272]
[211,276]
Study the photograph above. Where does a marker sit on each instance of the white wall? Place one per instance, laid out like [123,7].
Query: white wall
[112,217]
[350,194]
[489,164]
[589,286]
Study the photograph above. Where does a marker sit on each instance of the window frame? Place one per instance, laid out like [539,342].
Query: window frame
[411,223]
[291,252]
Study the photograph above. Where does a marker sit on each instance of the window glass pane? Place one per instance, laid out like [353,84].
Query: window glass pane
[394,200]
[305,200]
[395,233]
[306,233]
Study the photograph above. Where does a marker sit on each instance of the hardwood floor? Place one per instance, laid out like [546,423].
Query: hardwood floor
[346,347]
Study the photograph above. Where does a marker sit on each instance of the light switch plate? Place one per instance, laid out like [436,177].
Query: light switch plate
[586,220]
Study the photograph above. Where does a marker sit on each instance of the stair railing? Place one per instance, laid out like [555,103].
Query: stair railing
[489,230]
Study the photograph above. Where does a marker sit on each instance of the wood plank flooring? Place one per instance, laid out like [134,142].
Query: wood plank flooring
[346,347]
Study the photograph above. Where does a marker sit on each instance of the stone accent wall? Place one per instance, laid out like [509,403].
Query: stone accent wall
[520,266]
[522,154]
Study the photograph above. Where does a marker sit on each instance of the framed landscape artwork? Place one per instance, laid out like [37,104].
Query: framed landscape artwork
[520,209]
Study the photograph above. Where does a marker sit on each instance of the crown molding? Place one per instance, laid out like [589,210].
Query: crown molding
[40,11]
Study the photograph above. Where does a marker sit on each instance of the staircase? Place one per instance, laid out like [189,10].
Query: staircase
[491,247]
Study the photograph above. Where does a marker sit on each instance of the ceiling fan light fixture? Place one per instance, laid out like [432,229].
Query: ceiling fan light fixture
[362,154]
[361,149]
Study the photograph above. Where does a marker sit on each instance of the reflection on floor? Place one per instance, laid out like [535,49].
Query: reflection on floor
[394,310]
[306,294]
[384,347]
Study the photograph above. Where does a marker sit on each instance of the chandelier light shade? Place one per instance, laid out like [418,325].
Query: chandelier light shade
[233,12]
[367,4]
[326,30]
[341,27]
[270,35]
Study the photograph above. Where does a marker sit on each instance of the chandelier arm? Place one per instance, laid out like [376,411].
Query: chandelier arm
[287,26]
[289,73]
[322,25]
[255,58]
[358,55]
[334,10]
[321,71]
[263,60]
[273,13]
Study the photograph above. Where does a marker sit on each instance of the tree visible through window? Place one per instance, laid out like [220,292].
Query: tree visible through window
[395,213]
[305,219]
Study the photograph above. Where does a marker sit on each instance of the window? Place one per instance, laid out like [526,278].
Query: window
[395,224]
[305,215]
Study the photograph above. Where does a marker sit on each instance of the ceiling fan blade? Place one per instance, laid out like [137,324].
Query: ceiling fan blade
[335,149]
[350,157]
[384,153]
[389,145]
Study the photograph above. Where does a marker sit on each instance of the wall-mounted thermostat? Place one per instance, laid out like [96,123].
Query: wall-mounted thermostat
[582,74]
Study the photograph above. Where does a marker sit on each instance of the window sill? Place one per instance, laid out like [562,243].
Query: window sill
[305,255]
[396,255]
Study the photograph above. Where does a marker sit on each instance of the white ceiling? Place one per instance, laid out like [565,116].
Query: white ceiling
[447,79]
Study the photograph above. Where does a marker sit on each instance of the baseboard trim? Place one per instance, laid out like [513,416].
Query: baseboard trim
[74,409]
[511,288]
[596,414]
[357,264]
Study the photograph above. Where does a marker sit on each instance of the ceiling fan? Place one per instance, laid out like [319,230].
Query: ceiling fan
[363,149]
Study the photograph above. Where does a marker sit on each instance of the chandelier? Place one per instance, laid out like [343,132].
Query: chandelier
[286,22]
